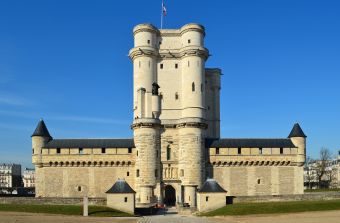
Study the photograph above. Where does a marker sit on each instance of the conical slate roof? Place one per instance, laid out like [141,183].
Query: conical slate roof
[211,186]
[297,131]
[120,187]
[41,130]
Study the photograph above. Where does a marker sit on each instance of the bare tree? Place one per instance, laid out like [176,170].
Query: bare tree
[321,165]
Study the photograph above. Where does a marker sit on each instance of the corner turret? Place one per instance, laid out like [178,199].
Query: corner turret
[298,138]
[39,139]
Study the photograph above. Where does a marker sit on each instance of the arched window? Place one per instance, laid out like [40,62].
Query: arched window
[193,86]
[168,153]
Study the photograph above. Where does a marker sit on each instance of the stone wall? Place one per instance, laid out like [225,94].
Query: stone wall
[259,180]
[50,200]
[80,181]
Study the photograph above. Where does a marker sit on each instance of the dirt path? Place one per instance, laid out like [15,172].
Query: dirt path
[305,217]
[21,217]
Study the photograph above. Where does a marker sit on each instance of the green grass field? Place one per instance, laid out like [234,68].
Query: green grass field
[275,207]
[100,211]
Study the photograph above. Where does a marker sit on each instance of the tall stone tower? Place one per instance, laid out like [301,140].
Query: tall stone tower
[146,124]
[298,137]
[174,60]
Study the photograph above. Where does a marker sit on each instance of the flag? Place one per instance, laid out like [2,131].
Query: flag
[163,9]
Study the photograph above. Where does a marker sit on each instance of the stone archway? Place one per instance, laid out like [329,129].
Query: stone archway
[169,195]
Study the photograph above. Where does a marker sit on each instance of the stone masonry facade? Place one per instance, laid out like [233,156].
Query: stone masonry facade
[176,144]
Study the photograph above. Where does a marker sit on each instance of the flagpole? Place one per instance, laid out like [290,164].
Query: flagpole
[162,15]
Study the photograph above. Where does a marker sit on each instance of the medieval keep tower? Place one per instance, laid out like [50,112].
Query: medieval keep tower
[176,146]
[173,60]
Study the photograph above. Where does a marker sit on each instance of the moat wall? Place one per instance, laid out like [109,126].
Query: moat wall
[239,199]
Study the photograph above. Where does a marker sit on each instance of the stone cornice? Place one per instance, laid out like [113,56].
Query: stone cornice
[145,125]
[169,54]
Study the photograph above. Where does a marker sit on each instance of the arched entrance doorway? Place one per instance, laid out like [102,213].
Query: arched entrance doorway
[169,195]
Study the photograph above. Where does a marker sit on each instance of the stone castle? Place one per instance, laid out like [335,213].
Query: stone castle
[176,144]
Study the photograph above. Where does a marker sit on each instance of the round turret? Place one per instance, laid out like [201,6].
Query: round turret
[192,35]
[145,35]
[40,137]
[298,138]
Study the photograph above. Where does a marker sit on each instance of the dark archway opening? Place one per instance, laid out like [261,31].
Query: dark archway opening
[169,195]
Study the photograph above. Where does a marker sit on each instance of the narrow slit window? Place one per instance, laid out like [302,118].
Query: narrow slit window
[168,153]
[258,181]
[260,150]
[176,65]
[81,151]
[176,96]
[189,41]
[137,173]
[156,173]
[139,63]
[281,150]
[149,41]
[125,199]
[207,198]
[193,86]
[217,151]
[239,151]
[128,173]
[161,66]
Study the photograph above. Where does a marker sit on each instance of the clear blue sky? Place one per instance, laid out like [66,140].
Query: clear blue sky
[66,61]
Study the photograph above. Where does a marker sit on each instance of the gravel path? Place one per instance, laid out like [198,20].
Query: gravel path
[305,217]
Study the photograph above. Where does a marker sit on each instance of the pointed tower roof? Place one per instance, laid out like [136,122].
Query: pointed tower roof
[120,187]
[41,130]
[297,131]
[211,186]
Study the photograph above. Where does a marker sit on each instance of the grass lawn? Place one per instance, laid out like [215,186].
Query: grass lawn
[275,207]
[323,190]
[100,211]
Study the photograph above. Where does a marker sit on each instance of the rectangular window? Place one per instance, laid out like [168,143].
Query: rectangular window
[281,150]
[58,150]
[125,199]
[161,66]
[81,151]
[128,173]
[239,151]
[260,151]
[32,151]
[207,198]
[189,41]
[148,41]
[176,65]
[137,173]
[103,150]
[217,151]
[129,150]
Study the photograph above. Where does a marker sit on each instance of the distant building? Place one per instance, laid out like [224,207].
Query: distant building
[330,178]
[29,177]
[10,175]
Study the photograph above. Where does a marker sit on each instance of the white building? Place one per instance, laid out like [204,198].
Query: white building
[29,177]
[10,175]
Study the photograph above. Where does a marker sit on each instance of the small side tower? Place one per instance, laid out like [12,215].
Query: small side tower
[146,124]
[40,137]
[298,137]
